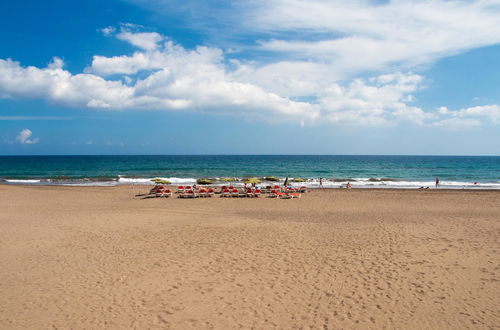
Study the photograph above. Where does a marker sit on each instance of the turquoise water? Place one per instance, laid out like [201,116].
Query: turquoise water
[362,171]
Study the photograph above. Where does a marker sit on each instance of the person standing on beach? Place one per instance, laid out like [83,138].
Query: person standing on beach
[437,182]
[321,182]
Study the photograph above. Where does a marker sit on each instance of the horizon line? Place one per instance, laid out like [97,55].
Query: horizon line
[401,155]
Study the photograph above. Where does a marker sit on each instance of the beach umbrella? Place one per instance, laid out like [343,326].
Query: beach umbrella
[204,181]
[286,182]
[160,181]
[252,180]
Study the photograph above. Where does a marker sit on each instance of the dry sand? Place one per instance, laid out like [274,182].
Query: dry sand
[90,257]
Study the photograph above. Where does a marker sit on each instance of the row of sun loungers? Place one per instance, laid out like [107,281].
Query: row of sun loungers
[240,193]
[192,192]
[267,189]
[160,191]
[202,192]
[284,195]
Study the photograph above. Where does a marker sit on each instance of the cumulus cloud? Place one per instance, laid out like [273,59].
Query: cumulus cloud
[144,40]
[24,137]
[349,36]
[163,75]
[319,42]
[380,100]
[467,118]
[489,112]
[107,31]
[191,80]
[56,84]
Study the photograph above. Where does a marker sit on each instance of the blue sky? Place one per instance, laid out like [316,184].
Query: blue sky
[251,77]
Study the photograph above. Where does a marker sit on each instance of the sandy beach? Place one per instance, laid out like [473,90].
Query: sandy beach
[98,257]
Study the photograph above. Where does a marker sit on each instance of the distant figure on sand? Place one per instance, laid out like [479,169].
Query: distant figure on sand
[437,182]
[321,182]
[348,185]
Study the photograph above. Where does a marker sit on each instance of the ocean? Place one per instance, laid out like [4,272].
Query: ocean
[469,172]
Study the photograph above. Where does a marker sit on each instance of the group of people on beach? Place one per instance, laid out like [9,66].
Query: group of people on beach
[253,186]
[437,185]
[348,185]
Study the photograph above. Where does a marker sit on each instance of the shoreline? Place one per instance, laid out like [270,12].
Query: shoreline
[239,185]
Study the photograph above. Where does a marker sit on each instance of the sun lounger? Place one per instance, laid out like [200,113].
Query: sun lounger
[225,193]
[302,189]
[266,189]
[295,195]
[188,194]
[273,194]
[164,193]
[202,192]
[235,193]
[283,195]
[180,189]
[156,188]
[206,192]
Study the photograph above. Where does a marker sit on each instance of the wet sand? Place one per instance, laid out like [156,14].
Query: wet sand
[98,257]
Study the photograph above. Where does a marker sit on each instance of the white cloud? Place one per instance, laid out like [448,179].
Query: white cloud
[467,118]
[169,56]
[198,79]
[458,123]
[130,33]
[305,46]
[194,80]
[56,84]
[381,100]
[352,35]
[144,40]
[24,137]
[358,34]
[107,31]
[119,64]
[489,112]
[319,42]
[163,75]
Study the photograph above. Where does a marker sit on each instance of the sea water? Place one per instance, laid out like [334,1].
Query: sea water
[471,172]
